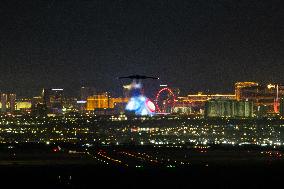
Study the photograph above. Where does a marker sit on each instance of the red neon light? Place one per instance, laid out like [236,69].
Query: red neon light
[276,106]
[150,105]
[158,95]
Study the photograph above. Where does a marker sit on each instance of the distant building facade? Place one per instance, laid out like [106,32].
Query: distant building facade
[23,106]
[184,110]
[242,87]
[228,108]
[264,97]
[195,103]
[103,101]
[38,106]
[8,102]
[53,100]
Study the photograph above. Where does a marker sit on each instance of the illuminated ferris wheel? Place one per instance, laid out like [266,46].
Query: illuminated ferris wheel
[165,100]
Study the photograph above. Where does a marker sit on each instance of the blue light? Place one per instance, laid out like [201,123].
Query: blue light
[133,104]
[138,105]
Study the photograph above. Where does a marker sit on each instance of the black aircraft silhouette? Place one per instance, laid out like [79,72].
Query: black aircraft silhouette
[137,77]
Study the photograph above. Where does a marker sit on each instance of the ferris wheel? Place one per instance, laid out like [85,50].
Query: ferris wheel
[165,100]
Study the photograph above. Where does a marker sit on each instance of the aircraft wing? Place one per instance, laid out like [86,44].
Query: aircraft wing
[152,77]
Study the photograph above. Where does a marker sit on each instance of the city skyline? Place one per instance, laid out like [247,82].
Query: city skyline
[160,93]
[155,89]
[189,45]
[248,100]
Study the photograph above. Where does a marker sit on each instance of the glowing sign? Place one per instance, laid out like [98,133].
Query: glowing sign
[81,102]
[163,85]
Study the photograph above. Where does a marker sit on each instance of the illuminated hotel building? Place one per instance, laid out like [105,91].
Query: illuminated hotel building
[99,101]
[23,105]
[3,102]
[229,108]
[11,102]
[196,102]
[200,97]
[69,105]
[103,101]
[240,87]
[8,102]
[261,95]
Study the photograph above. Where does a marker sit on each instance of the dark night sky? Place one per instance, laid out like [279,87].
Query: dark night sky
[194,45]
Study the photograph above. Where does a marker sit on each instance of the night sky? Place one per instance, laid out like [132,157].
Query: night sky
[204,45]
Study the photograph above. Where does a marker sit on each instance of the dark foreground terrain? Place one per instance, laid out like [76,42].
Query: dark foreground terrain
[100,177]
[55,166]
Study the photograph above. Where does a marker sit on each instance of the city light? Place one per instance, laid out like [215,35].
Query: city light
[119,93]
